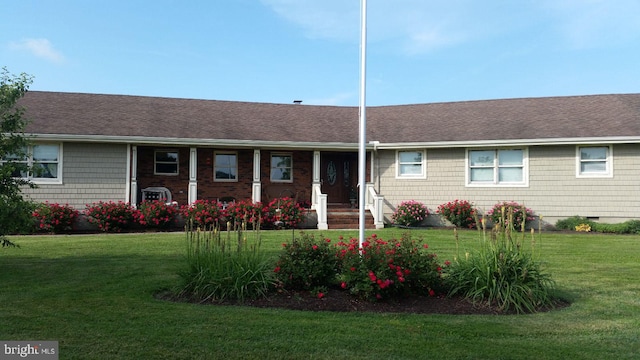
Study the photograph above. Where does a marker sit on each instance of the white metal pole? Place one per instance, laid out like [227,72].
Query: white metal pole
[362,151]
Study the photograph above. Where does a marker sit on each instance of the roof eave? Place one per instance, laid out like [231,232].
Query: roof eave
[511,142]
[231,143]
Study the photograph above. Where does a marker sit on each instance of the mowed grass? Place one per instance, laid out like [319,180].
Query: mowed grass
[94,294]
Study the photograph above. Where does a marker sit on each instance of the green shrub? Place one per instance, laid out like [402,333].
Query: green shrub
[54,218]
[16,215]
[388,269]
[306,264]
[225,266]
[460,213]
[502,274]
[627,227]
[111,216]
[572,222]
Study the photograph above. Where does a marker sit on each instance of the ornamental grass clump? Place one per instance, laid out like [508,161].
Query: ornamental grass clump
[503,272]
[460,213]
[409,213]
[55,218]
[110,216]
[225,265]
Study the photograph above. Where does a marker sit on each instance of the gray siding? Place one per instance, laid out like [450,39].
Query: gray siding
[90,173]
[554,191]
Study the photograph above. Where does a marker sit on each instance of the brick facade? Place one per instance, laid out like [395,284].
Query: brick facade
[209,189]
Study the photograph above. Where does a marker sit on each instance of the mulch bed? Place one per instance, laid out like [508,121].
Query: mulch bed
[342,301]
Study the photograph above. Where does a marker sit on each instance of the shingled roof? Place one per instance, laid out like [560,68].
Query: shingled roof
[135,117]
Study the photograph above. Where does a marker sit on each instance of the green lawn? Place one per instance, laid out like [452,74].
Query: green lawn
[94,294]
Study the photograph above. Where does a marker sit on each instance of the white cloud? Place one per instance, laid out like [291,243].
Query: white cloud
[414,26]
[332,19]
[41,48]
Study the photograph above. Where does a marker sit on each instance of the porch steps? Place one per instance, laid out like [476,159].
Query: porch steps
[347,218]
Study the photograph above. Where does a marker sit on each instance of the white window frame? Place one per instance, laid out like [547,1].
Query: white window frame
[271,168]
[608,173]
[156,162]
[422,163]
[30,161]
[215,166]
[496,167]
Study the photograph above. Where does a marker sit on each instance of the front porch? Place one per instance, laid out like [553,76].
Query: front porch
[323,181]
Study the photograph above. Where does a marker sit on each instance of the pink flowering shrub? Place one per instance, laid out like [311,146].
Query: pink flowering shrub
[283,213]
[156,214]
[54,218]
[203,213]
[409,213]
[460,213]
[388,269]
[110,216]
[510,213]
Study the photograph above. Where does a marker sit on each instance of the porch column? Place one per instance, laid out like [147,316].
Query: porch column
[318,199]
[133,194]
[256,187]
[316,179]
[193,174]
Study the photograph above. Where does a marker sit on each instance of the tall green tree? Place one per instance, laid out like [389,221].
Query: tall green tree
[15,212]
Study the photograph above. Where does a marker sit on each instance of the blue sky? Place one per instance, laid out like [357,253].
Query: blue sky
[418,51]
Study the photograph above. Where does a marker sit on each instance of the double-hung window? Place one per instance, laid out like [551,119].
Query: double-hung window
[497,167]
[166,162]
[225,167]
[45,161]
[281,168]
[594,161]
[410,164]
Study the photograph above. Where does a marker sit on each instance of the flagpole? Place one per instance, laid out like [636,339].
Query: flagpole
[362,152]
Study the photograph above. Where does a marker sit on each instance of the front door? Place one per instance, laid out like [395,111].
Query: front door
[337,174]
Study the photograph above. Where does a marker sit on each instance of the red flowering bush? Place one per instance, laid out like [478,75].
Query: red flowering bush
[409,213]
[306,264]
[110,216]
[203,213]
[459,212]
[54,218]
[510,213]
[388,269]
[245,211]
[156,214]
[283,213]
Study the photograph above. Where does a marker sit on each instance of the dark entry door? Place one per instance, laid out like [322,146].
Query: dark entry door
[337,173]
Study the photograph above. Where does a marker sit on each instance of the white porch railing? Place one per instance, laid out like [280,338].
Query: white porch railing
[374,205]
[319,204]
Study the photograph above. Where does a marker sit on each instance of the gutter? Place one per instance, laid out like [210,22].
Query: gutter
[141,140]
